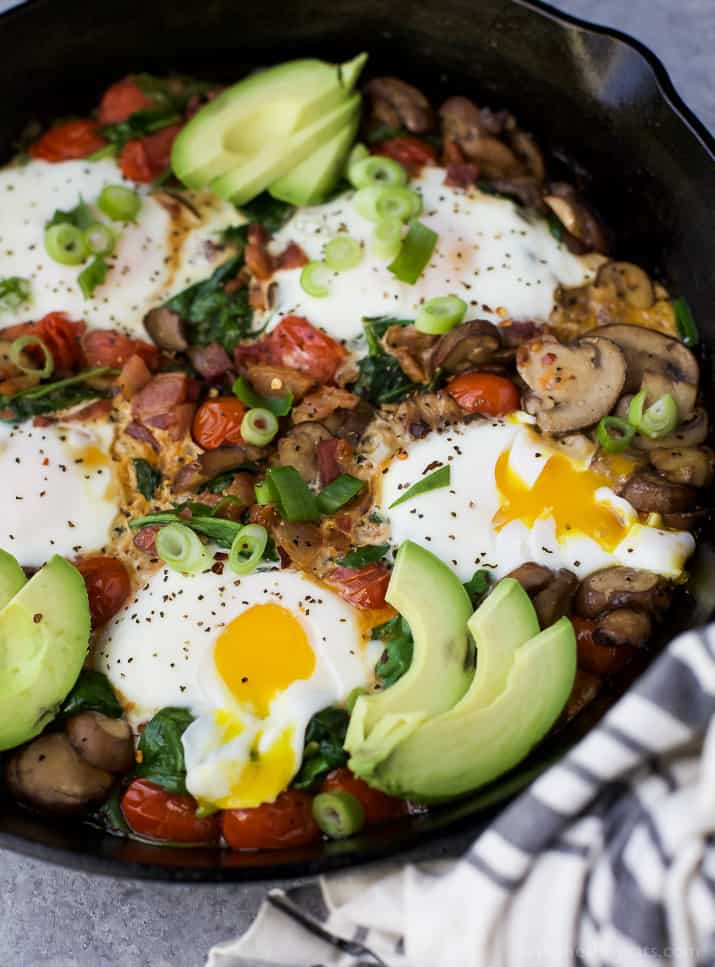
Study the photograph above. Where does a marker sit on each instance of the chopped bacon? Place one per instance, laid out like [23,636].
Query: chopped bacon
[96,410]
[363,587]
[334,456]
[211,361]
[516,332]
[160,396]
[461,175]
[145,159]
[105,347]
[121,100]
[134,376]
[145,539]
[273,380]
[292,257]
[323,402]
[411,153]
[138,431]
[182,418]
[259,260]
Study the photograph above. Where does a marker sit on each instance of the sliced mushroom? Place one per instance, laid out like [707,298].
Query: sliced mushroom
[571,386]
[691,433]
[299,448]
[657,363]
[469,346]
[651,494]
[49,775]
[623,627]
[685,465]
[166,328]
[301,541]
[693,520]
[412,349]
[103,742]
[464,129]
[627,283]
[576,217]
[554,601]
[523,189]
[531,576]
[350,424]
[427,411]
[622,587]
[398,104]
[321,404]
[270,380]
[210,464]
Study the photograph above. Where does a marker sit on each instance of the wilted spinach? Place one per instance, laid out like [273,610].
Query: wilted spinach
[381,379]
[161,753]
[361,556]
[397,657]
[148,478]
[323,748]
[478,586]
[268,211]
[48,397]
[92,693]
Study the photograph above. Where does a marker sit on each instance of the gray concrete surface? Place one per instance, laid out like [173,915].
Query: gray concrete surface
[53,918]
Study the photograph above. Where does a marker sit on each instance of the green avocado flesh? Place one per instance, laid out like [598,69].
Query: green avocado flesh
[312,180]
[44,636]
[432,600]
[12,578]
[259,130]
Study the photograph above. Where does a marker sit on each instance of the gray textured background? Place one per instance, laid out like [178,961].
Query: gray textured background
[53,918]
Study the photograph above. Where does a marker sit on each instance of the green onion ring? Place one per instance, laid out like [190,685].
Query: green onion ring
[16,351]
[660,419]
[614,442]
[251,540]
[338,814]
[415,253]
[65,244]
[376,170]
[98,239]
[181,549]
[315,279]
[387,238]
[259,426]
[343,253]
[119,203]
[263,493]
[438,316]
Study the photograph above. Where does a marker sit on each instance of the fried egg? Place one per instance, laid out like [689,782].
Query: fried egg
[58,490]
[514,497]
[502,263]
[253,658]
[165,250]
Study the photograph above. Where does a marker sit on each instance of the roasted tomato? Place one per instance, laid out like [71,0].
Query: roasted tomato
[484,393]
[68,141]
[379,807]
[218,422]
[274,825]
[105,347]
[121,100]
[411,153]
[108,586]
[363,587]
[299,345]
[151,811]
[61,336]
[592,657]
[145,159]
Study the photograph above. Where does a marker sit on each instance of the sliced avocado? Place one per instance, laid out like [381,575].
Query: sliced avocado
[44,635]
[312,181]
[469,746]
[260,113]
[434,603]
[12,578]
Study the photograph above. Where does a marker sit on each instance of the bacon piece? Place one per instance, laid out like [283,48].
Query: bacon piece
[182,418]
[134,376]
[140,432]
[160,396]
[211,361]
[92,411]
[258,259]
[324,402]
[145,539]
[292,257]
[461,175]
[334,456]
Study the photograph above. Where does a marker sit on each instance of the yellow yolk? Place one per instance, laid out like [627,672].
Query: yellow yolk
[264,777]
[261,653]
[563,493]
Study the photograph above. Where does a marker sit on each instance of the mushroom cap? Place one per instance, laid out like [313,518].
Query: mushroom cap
[622,587]
[104,742]
[465,347]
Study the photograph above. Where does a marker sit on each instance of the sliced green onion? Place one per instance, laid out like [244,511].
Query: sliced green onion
[365,202]
[433,481]
[339,492]
[181,549]
[119,203]
[415,253]
[338,814]
[315,279]
[17,359]
[248,548]
[280,405]
[377,170]
[387,238]
[686,324]
[343,253]
[660,419]
[107,151]
[359,153]
[264,494]
[259,426]
[614,434]
[65,244]
[295,500]
[438,316]
[98,239]
[402,203]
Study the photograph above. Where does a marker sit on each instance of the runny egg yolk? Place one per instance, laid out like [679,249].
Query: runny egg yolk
[262,652]
[562,492]
[264,776]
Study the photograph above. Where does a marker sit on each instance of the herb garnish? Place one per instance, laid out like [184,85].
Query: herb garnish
[433,481]
[148,478]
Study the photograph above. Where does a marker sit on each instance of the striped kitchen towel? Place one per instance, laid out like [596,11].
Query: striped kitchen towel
[607,860]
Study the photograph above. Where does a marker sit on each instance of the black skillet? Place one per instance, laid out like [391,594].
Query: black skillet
[602,103]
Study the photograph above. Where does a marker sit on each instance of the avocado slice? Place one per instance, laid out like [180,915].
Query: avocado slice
[259,116]
[44,636]
[430,597]
[474,743]
[12,577]
[312,180]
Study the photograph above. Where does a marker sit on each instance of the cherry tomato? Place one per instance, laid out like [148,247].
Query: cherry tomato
[297,344]
[218,422]
[484,393]
[121,100]
[65,142]
[151,811]
[592,657]
[145,159]
[105,347]
[108,586]
[379,807]
[411,153]
[363,587]
[61,336]
[274,825]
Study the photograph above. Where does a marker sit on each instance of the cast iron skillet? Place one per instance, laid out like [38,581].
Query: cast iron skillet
[601,102]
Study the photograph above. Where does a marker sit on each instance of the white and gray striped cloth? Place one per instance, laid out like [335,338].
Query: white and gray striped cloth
[607,860]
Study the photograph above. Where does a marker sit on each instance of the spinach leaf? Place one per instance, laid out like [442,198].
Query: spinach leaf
[210,313]
[161,751]
[220,483]
[80,216]
[92,693]
[268,211]
[48,397]
[92,275]
[148,478]
[235,236]
[110,816]
[375,328]
[364,555]
[14,292]
[220,531]
[381,380]
[555,226]
[397,656]
[278,405]
[323,748]
[477,587]
[140,123]
[175,91]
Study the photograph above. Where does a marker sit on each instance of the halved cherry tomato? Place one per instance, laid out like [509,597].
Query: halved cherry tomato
[379,807]
[411,153]
[60,334]
[144,159]
[218,422]
[592,657]
[297,344]
[105,347]
[108,586]
[484,393]
[65,142]
[151,811]
[121,100]
[274,825]
[363,587]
